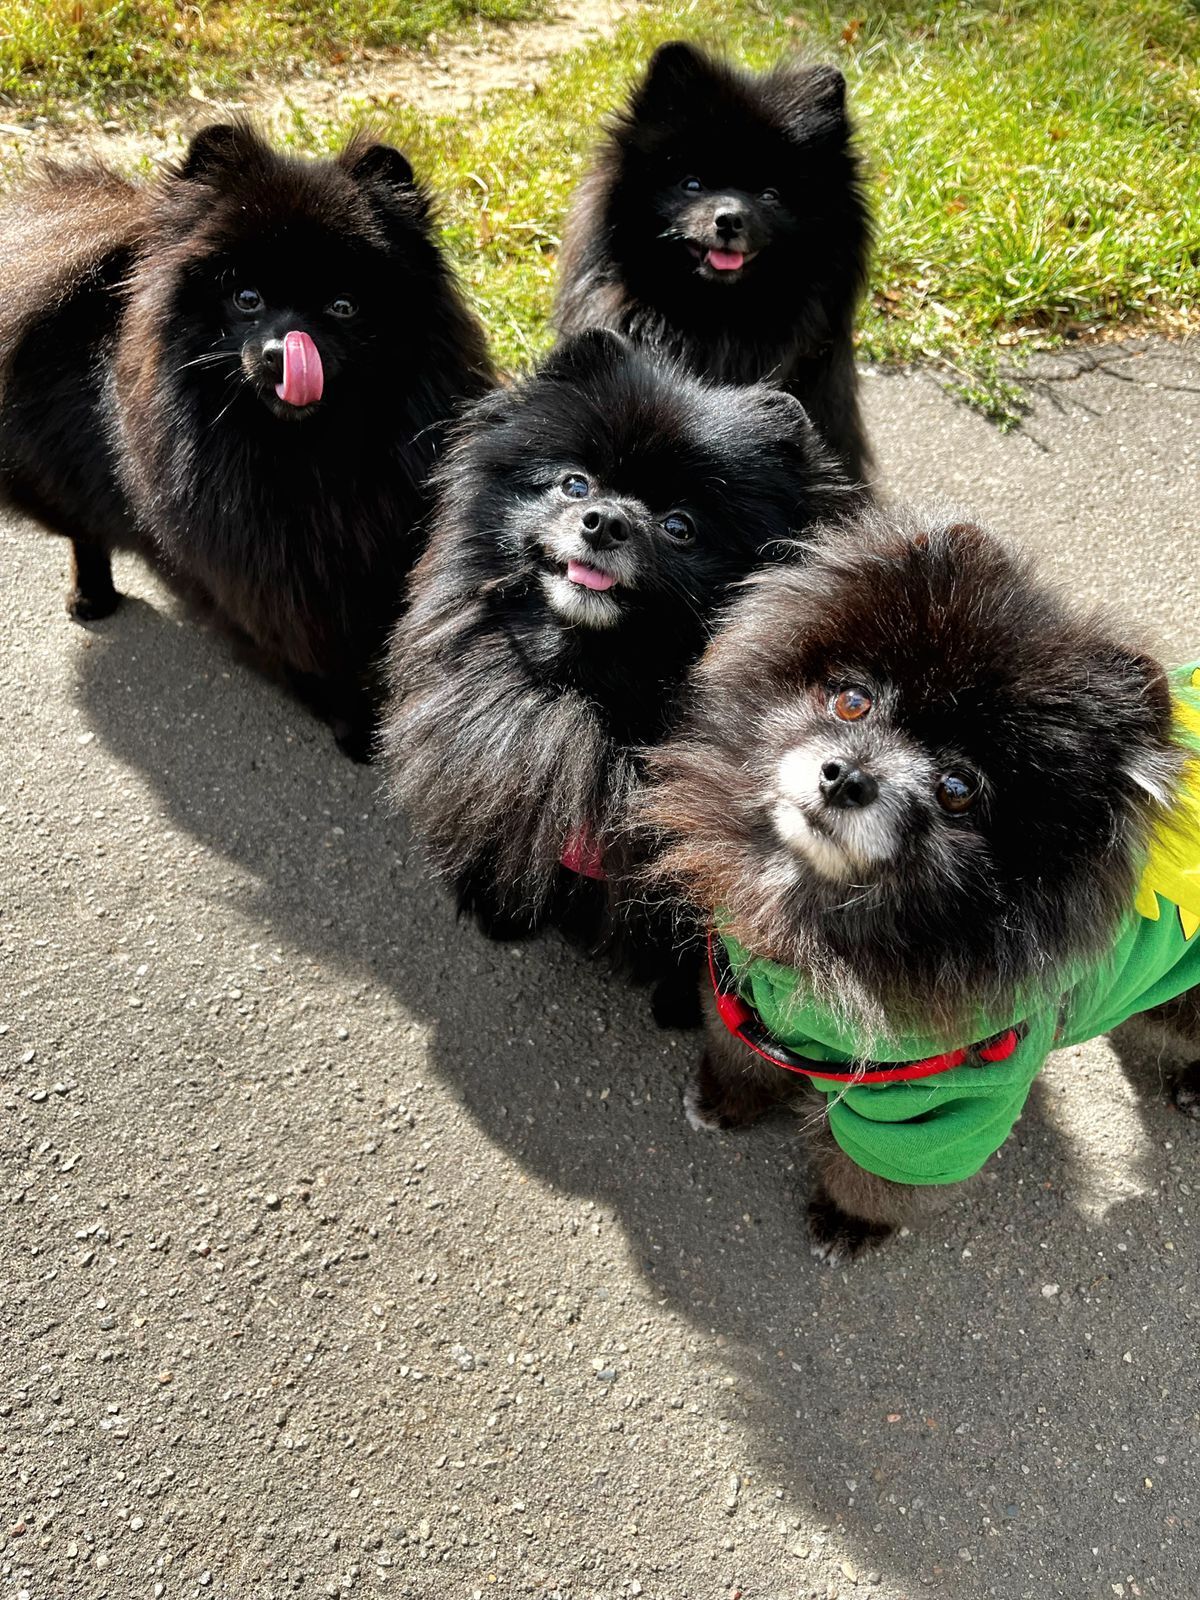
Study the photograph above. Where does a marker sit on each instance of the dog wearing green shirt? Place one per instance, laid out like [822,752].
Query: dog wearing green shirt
[938,821]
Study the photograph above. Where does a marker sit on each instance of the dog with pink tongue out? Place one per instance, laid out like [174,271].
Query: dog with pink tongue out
[591,520]
[722,221]
[244,371]
[302,382]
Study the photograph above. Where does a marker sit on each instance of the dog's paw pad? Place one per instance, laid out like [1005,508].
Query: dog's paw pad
[836,1237]
[699,1115]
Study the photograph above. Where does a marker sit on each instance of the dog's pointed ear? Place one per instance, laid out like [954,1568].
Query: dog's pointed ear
[584,353]
[966,533]
[676,72]
[816,107]
[958,540]
[369,162]
[782,407]
[219,148]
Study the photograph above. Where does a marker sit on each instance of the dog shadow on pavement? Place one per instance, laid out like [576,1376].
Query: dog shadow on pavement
[941,1405]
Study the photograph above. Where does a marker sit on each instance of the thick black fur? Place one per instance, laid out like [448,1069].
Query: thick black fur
[139,406]
[704,155]
[970,669]
[513,724]
[974,666]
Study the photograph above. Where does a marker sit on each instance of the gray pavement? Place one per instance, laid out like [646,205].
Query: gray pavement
[346,1253]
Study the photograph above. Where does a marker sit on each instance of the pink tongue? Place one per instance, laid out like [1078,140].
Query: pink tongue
[725,260]
[303,378]
[588,576]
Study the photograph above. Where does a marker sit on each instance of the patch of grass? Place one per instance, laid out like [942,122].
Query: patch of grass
[1032,166]
[1031,163]
[117,55]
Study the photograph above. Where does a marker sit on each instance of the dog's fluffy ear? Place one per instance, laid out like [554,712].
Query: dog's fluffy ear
[219,148]
[676,71]
[817,108]
[584,353]
[967,536]
[781,407]
[369,162]
[1155,767]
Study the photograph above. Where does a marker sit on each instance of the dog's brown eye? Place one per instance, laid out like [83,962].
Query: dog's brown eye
[771,196]
[851,704]
[575,486]
[248,301]
[343,306]
[956,793]
[691,185]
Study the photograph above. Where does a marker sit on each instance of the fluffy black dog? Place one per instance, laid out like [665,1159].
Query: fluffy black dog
[245,371]
[723,221]
[918,789]
[591,519]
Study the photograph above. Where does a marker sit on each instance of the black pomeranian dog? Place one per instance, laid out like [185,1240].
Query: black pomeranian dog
[244,370]
[723,221]
[941,822]
[591,518]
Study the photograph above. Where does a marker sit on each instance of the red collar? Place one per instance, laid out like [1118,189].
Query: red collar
[745,1024]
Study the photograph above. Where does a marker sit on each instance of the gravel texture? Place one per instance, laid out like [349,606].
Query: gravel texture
[346,1253]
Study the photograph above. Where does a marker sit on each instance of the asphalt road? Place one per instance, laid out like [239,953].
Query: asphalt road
[346,1253]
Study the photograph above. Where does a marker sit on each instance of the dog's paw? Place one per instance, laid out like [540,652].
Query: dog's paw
[675,1002]
[501,927]
[1186,1091]
[354,741]
[699,1113]
[838,1238]
[86,606]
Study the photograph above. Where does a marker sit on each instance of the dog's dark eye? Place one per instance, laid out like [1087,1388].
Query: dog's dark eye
[247,301]
[343,306]
[679,526]
[691,185]
[771,196]
[956,792]
[575,486]
[851,704]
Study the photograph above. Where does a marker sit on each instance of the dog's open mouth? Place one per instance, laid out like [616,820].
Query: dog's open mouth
[582,595]
[589,577]
[720,260]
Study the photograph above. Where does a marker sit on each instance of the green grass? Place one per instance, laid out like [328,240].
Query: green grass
[118,56]
[1033,168]
[1032,164]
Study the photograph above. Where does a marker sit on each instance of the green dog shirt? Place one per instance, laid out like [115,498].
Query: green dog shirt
[932,1118]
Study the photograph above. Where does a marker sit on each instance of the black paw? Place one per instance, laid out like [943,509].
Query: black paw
[675,1002]
[1186,1091]
[703,1116]
[836,1236]
[91,606]
[502,927]
[356,741]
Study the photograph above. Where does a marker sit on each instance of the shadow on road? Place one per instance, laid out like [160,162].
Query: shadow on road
[954,1381]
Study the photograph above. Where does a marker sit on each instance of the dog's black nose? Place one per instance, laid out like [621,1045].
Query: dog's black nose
[605,527]
[846,786]
[271,360]
[728,222]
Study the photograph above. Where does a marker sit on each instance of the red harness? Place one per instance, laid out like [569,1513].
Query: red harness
[745,1024]
[581,854]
